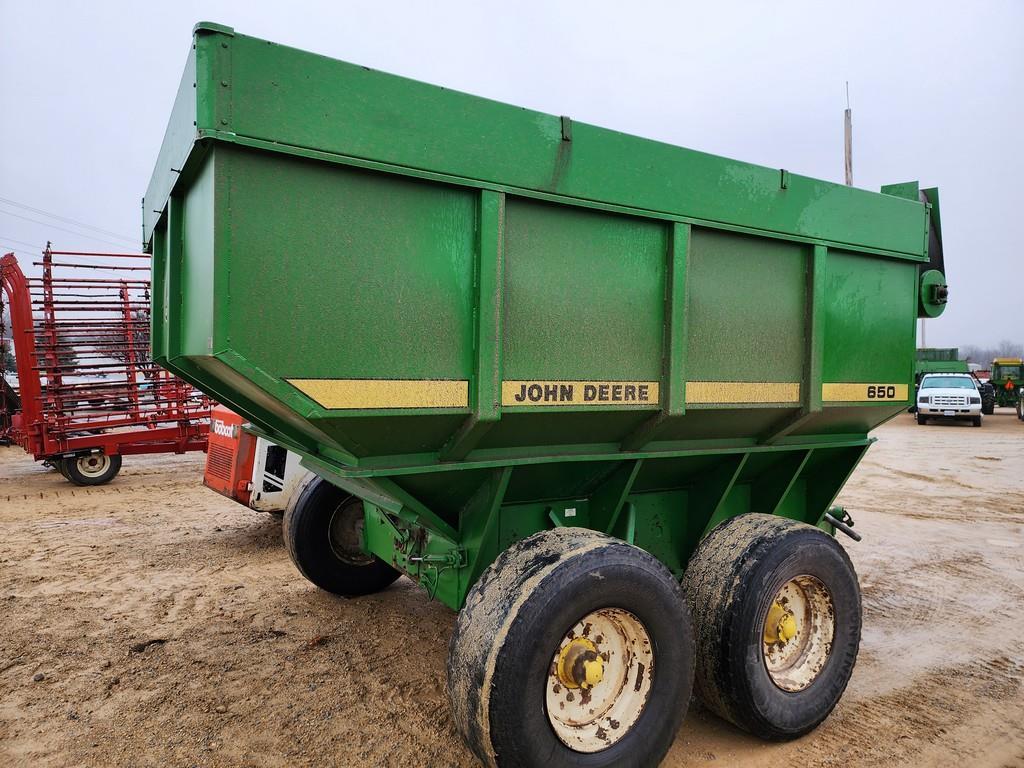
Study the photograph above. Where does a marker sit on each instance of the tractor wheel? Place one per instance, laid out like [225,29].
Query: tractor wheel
[779,615]
[91,468]
[323,532]
[976,421]
[922,419]
[573,648]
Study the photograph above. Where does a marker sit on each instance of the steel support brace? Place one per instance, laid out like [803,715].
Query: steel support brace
[814,349]
[401,531]
[826,482]
[673,393]
[480,526]
[769,490]
[608,498]
[490,280]
[707,500]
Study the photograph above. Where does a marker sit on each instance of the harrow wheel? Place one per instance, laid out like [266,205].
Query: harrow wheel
[91,468]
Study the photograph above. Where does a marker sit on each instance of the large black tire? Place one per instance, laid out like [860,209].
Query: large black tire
[987,399]
[90,468]
[731,584]
[530,605]
[322,532]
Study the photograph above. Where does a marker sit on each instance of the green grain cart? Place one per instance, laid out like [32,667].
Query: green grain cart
[594,392]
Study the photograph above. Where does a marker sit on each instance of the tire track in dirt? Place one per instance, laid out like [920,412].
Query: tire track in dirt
[927,712]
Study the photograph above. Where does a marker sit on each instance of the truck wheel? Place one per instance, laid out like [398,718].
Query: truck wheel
[91,468]
[922,419]
[778,615]
[323,532]
[976,421]
[573,648]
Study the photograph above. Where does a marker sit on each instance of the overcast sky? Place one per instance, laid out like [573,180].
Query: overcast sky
[937,90]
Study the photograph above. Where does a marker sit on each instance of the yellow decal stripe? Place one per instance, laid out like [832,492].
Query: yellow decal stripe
[717,392]
[384,393]
[864,393]
[535,392]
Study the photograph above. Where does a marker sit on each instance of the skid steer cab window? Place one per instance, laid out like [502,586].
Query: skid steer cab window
[947,382]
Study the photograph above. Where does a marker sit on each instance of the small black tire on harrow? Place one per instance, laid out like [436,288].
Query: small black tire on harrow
[323,532]
[91,468]
[778,610]
[573,648]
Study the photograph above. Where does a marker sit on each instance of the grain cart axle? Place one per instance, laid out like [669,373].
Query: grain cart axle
[594,392]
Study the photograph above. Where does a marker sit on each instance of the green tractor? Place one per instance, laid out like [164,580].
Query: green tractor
[1007,376]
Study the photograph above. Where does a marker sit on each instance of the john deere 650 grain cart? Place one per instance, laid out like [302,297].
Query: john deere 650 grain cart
[594,392]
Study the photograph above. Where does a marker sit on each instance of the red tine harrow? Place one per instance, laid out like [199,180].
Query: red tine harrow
[87,391]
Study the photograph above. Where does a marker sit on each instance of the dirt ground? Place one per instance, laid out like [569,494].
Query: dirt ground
[150,622]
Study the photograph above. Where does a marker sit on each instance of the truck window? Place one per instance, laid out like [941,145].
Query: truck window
[947,382]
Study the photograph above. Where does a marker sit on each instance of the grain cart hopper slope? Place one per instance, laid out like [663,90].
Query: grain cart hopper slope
[523,352]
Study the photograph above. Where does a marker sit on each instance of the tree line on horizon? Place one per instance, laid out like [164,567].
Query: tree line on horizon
[983,355]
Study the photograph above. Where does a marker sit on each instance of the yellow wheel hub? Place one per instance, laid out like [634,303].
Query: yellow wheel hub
[580,665]
[799,627]
[599,679]
[779,625]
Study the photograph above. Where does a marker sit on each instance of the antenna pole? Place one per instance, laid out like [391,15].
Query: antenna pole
[848,143]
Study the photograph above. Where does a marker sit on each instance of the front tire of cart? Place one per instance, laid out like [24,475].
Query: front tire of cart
[323,533]
[778,610]
[573,648]
[90,468]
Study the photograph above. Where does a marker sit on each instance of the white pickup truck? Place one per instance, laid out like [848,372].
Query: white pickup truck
[948,396]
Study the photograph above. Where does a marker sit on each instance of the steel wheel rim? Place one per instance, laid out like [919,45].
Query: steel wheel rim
[590,718]
[345,533]
[797,633]
[93,464]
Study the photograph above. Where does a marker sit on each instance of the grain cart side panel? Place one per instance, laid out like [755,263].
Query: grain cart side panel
[396,301]
[869,342]
[375,117]
[485,322]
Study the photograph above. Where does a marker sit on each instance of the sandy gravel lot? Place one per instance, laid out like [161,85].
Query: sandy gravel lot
[152,623]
